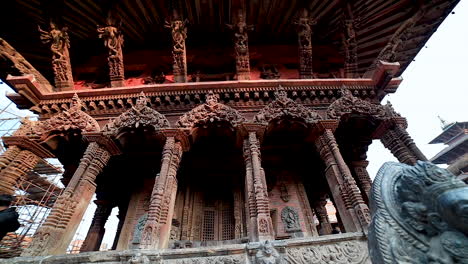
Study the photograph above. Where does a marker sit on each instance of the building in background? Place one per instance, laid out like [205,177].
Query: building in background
[227,142]
[455,155]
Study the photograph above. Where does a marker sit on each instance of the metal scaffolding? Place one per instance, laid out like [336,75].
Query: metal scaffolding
[35,194]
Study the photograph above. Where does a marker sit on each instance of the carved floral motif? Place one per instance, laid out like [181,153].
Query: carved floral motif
[284,107]
[210,112]
[419,215]
[338,253]
[139,115]
[348,104]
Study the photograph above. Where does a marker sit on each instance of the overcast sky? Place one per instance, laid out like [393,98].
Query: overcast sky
[434,84]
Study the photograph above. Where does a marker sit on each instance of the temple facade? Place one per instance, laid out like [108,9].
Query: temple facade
[219,131]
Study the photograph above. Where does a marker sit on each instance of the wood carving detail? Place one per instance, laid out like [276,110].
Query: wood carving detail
[59,45]
[113,41]
[72,119]
[179,34]
[284,107]
[241,46]
[210,112]
[348,104]
[139,115]
[304,27]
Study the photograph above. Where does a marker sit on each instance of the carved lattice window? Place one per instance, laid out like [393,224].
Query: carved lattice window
[227,225]
[208,225]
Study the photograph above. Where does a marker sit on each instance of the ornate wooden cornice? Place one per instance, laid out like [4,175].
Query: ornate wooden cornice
[181,97]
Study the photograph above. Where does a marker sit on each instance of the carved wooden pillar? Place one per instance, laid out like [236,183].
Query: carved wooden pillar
[348,199]
[56,233]
[362,176]
[322,215]
[304,24]
[22,163]
[59,45]
[179,34]
[96,231]
[113,40]
[261,225]
[402,146]
[156,232]
[241,46]
[8,156]
[238,214]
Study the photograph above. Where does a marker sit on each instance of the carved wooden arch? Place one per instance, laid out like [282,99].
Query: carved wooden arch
[349,104]
[210,112]
[139,115]
[284,107]
[72,119]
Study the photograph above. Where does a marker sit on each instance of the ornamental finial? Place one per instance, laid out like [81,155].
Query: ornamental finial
[76,103]
[280,93]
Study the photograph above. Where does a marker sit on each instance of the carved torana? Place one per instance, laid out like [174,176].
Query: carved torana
[349,104]
[72,119]
[113,41]
[419,215]
[284,107]
[139,115]
[59,45]
[210,112]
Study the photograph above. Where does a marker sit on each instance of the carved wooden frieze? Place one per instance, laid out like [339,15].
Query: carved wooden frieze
[210,112]
[284,107]
[139,115]
[348,104]
[337,253]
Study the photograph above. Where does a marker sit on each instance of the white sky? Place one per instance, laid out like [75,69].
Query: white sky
[434,84]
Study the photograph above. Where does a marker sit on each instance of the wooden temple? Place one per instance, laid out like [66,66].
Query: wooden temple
[210,123]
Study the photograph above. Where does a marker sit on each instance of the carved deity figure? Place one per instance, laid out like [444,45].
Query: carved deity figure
[59,45]
[304,28]
[290,219]
[268,254]
[179,34]
[112,36]
[240,34]
[58,40]
[420,215]
[139,229]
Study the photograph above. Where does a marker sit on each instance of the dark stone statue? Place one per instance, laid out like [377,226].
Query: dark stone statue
[419,215]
